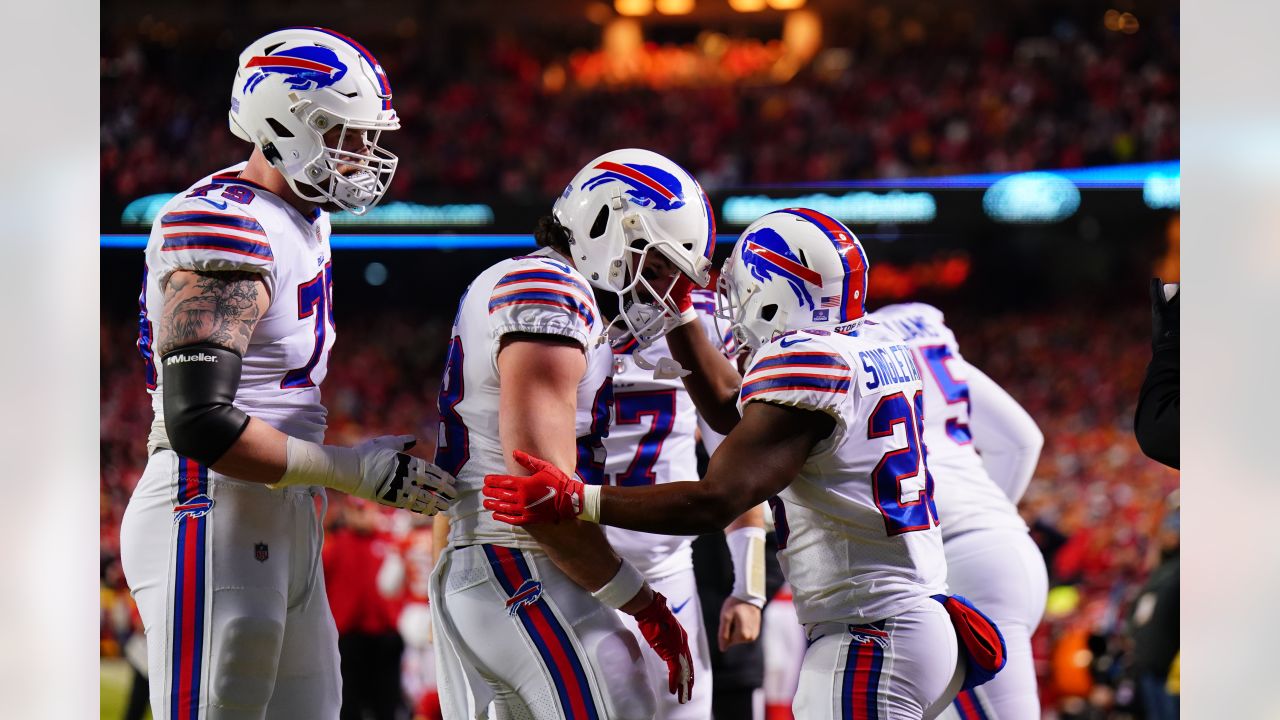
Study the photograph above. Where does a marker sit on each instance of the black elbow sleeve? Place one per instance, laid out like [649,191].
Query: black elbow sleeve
[200,383]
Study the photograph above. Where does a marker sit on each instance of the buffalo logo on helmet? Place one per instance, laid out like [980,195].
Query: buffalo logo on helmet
[648,186]
[529,593]
[767,255]
[304,68]
[196,507]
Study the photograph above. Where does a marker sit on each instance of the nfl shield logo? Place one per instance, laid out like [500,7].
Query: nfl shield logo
[260,552]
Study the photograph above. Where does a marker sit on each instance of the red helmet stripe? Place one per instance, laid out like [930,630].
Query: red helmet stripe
[285,61]
[804,273]
[637,176]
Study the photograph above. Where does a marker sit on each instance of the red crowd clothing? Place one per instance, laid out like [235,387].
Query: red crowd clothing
[351,563]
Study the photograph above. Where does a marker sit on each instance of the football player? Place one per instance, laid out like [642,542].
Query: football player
[526,618]
[828,431]
[991,560]
[652,440]
[221,540]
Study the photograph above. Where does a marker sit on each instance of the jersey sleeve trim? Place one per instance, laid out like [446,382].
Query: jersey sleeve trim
[222,232]
[546,288]
[818,372]
[779,383]
[830,361]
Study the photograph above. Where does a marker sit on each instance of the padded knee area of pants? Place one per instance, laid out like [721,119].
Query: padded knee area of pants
[627,689]
[244,672]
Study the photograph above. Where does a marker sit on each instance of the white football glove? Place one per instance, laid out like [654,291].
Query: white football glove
[374,470]
[391,477]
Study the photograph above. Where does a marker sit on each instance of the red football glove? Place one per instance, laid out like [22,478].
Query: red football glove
[667,638]
[548,495]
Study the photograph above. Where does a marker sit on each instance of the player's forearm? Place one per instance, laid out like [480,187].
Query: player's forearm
[439,537]
[677,508]
[579,549]
[1156,420]
[258,455]
[751,518]
[712,382]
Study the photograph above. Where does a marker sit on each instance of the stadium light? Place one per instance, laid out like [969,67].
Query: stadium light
[747,6]
[786,4]
[633,8]
[675,7]
[1031,197]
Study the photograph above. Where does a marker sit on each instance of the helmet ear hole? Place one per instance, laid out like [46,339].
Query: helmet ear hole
[279,129]
[768,311]
[601,222]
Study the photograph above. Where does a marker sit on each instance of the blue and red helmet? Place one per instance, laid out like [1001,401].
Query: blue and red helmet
[316,102]
[793,269]
[623,205]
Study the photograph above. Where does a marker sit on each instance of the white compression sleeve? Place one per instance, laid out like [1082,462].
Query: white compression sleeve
[746,547]
[1004,434]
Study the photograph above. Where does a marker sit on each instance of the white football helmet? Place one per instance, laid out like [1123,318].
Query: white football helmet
[619,207]
[792,269]
[292,89]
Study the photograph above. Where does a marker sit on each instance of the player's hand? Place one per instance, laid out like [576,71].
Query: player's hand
[667,638]
[681,300]
[391,477]
[548,495]
[1165,313]
[739,623]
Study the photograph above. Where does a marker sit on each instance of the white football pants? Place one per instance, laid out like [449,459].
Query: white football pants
[904,667]
[512,629]
[227,579]
[1003,573]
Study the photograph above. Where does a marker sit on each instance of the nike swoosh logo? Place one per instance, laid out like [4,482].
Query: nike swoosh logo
[221,206]
[677,608]
[788,342]
[551,492]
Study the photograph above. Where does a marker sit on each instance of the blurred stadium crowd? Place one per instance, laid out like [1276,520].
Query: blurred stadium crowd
[938,92]
[1096,505]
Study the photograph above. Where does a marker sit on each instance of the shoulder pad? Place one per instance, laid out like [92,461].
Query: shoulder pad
[195,234]
[541,295]
[803,369]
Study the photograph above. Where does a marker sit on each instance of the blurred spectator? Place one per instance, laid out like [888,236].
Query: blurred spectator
[1155,623]
[955,92]
[360,578]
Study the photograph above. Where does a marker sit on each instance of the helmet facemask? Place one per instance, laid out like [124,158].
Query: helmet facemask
[643,311]
[353,176]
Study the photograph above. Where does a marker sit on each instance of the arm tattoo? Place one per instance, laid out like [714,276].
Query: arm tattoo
[216,307]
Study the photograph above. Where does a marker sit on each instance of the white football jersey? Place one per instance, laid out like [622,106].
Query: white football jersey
[652,440]
[857,529]
[541,294]
[224,223]
[967,499]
